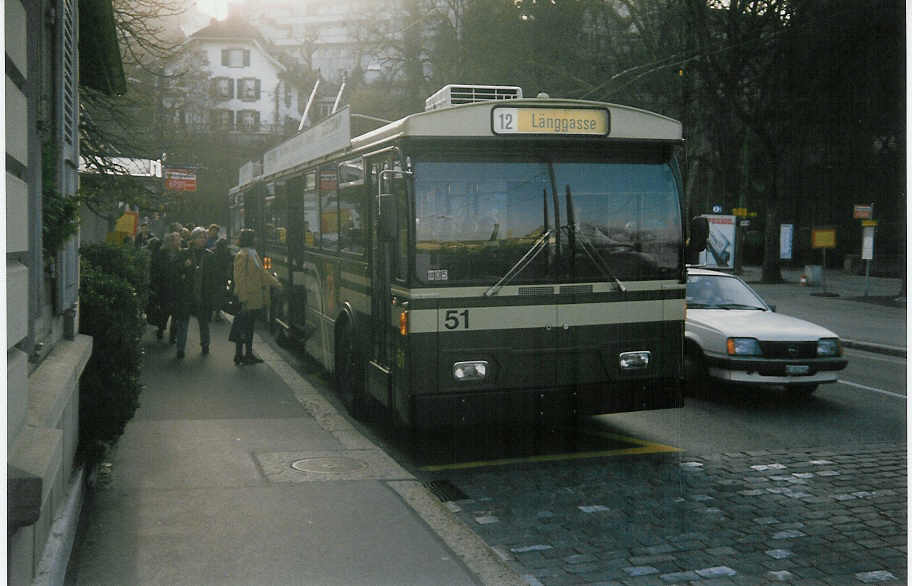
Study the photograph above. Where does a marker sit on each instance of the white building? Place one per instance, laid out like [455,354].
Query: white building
[225,79]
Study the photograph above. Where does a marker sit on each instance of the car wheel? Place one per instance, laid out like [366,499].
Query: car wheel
[694,372]
[349,375]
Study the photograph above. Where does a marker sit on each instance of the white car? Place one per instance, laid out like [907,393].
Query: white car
[732,335]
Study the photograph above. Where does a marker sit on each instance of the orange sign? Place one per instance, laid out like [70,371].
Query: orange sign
[823,238]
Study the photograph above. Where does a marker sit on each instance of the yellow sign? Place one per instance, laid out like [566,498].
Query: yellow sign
[127,223]
[550,121]
[869,222]
[823,238]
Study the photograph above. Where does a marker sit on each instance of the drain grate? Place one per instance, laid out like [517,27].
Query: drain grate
[445,490]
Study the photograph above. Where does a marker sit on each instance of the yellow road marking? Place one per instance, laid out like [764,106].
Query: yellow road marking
[645,448]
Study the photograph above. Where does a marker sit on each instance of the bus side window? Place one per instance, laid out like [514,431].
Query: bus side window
[310,212]
[329,209]
[352,207]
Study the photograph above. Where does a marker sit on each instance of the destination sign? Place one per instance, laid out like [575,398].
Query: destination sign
[550,121]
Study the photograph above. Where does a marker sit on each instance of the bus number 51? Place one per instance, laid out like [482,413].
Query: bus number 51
[456,319]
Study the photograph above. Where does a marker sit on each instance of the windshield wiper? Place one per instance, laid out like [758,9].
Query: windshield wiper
[587,245]
[737,306]
[520,264]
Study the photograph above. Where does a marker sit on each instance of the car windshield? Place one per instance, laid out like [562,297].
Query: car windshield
[577,220]
[720,292]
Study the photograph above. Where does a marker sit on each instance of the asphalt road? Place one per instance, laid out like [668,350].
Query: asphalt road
[742,486]
[868,405]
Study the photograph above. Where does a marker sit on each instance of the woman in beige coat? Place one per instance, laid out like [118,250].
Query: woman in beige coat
[251,285]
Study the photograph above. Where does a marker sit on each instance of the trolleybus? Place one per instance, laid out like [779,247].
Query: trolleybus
[493,258]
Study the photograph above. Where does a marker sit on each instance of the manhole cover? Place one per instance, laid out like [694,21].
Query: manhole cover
[328,465]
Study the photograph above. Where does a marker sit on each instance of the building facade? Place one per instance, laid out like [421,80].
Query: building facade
[46,42]
[225,80]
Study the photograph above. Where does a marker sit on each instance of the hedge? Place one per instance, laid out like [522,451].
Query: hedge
[113,289]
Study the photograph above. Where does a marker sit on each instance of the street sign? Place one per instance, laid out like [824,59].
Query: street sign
[867,243]
[863,212]
[823,238]
[177,179]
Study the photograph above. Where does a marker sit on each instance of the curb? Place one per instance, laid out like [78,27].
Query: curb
[479,558]
[55,559]
[873,347]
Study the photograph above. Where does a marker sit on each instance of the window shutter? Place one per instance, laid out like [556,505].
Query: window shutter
[68,271]
[231,92]
[226,56]
[246,57]
[256,85]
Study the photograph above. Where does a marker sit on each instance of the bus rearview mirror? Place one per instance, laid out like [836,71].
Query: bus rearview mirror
[387,221]
[699,233]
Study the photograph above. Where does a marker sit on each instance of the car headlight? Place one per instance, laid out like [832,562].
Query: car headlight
[743,347]
[829,347]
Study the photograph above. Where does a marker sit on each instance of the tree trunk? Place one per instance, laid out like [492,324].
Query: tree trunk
[771,272]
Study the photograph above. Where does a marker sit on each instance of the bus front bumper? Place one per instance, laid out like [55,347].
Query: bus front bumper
[524,406]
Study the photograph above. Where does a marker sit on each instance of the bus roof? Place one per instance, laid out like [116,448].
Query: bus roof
[465,121]
[475,120]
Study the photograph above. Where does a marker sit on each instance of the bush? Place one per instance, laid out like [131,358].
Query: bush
[125,261]
[113,290]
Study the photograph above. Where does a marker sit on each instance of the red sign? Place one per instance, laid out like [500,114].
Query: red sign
[180,179]
[863,212]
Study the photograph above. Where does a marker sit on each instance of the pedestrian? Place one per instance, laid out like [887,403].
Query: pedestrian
[203,287]
[171,285]
[252,286]
[154,305]
[143,237]
[213,236]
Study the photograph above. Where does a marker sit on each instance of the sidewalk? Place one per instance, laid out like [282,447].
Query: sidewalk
[875,323]
[247,475]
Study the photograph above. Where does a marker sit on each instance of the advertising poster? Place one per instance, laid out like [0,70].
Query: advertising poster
[720,247]
[786,232]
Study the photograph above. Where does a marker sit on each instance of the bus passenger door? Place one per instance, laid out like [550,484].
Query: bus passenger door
[379,187]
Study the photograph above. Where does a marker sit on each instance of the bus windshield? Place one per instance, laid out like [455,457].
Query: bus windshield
[602,221]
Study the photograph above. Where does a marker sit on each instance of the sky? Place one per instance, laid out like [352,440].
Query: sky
[215,8]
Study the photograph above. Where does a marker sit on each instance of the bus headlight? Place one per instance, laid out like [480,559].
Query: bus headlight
[635,360]
[473,370]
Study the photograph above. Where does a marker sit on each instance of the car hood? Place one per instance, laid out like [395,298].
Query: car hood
[763,325]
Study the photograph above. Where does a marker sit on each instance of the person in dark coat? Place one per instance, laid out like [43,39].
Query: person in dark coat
[153,307]
[199,278]
[167,270]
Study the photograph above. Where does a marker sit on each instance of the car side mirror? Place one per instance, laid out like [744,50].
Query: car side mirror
[772,307]
[699,234]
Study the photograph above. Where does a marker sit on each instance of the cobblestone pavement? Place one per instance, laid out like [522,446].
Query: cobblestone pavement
[797,516]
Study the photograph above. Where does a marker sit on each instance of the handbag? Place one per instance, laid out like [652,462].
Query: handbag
[230,303]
